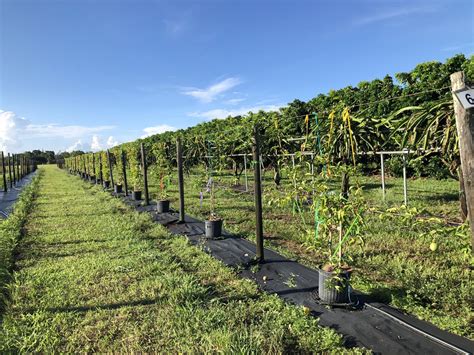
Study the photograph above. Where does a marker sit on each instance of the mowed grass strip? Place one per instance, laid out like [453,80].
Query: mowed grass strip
[92,275]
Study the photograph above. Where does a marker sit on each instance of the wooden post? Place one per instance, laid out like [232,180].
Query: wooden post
[84,166]
[14,168]
[145,174]
[101,176]
[258,194]
[93,168]
[179,159]
[4,174]
[109,161]
[10,163]
[382,168]
[465,129]
[124,170]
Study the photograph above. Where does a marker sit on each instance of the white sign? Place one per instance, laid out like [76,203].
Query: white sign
[466,97]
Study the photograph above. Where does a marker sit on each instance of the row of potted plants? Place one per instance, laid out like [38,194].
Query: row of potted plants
[338,223]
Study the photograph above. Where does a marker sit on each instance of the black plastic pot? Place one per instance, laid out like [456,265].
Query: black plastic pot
[98,182]
[118,188]
[213,228]
[92,178]
[137,195]
[106,184]
[163,206]
[328,291]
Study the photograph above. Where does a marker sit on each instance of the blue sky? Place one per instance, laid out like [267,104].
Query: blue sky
[93,73]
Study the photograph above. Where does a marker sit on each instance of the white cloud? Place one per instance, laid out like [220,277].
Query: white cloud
[55,130]
[11,127]
[149,131]
[223,113]
[95,144]
[76,146]
[15,130]
[209,94]
[234,101]
[112,142]
[458,47]
[389,14]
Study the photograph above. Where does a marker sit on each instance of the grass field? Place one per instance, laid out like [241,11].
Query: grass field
[395,264]
[91,275]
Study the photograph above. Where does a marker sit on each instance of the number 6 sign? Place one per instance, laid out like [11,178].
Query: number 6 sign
[466,97]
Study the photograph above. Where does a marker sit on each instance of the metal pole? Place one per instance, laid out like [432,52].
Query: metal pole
[145,176]
[245,172]
[179,158]
[10,163]
[109,161]
[258,194]
[405,195]
[293,164]
[383,175]
[4,174]
[124,169]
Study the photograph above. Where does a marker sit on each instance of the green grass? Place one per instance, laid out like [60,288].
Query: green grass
[395,265]
[94,276]
[10,233]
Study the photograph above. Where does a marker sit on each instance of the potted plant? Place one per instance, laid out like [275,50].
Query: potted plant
[118,174]
[105,171]
[339,224]
[162,170]
[213,224]
[136,178]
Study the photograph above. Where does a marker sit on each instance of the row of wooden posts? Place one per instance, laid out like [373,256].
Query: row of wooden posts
[15,167]
[77,168]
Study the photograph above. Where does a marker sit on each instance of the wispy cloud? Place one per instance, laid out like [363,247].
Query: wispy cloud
[212,92]
[459,47]
[174,27]
[234,101]
[178,23]
[389,14]
[149,131]
[56,130]
[223,113]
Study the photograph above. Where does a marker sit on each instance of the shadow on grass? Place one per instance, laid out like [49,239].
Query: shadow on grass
[82,309]
[384,294]
[440,197]
[374,186]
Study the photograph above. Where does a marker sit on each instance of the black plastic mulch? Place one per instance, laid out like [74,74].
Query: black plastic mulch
[373,325]
[8,199]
